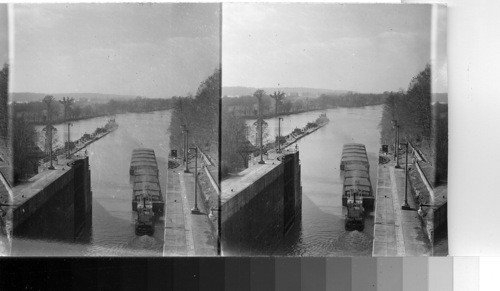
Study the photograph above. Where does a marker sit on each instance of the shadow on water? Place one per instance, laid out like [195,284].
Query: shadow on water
[120,226]
[86,245]
[324,235]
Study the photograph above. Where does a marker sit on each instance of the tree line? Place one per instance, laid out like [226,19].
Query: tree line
[4,99]
[36,112]
[198,116]
[277,103]
[422,123]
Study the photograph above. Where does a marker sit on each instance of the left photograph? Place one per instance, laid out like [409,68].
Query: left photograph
[115,118]
[5,134]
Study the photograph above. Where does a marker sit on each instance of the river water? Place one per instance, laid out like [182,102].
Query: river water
[112,232]
[321,231]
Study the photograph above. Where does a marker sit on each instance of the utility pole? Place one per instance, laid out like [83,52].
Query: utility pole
[259,94]
[67,102]
[405,205]
[396,143]
[183,126]
[195,209]
[186,156]
[279,134]
[48,101]
[69,141]
[261,121]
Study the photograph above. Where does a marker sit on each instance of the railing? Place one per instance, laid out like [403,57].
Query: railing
[428,185]
[208,161]
[206,158]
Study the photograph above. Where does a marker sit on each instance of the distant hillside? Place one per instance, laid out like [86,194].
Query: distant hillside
[92,97]
[301,91]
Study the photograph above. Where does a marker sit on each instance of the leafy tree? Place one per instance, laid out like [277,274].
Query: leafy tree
[4,99]
[259,94]
[278,99]
[199,115]
[287,106]
[414,113]
[235,146]
[26,152]
[49,129]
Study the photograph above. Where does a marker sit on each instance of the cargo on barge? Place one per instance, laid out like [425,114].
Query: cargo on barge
[145,181]
[356,174]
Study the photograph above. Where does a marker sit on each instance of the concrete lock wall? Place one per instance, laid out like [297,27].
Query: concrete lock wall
[256,219]
[61,210]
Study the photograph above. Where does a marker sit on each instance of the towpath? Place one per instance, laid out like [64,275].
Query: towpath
[396,232]
[186,234]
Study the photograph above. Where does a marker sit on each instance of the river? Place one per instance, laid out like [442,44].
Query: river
[321,231]
[112,232]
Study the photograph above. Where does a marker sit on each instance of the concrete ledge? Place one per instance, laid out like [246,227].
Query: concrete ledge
[237,191]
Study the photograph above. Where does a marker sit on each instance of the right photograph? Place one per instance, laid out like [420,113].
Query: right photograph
[334,130]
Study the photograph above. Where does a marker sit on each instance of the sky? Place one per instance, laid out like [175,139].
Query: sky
[363,48]
[151,50]
[4,35]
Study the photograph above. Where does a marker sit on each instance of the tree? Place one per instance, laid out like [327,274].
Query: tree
[413,112]
[199,115]
[259,94]
[26,152]
[87,110]
[4,99]
[287,106]
[278,100]
[49,100]
[76,111]
[234,142]
[67,102]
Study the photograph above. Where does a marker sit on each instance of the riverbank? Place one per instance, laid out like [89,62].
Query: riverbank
[60,153]
[290,139]
[306,133]
[293,138]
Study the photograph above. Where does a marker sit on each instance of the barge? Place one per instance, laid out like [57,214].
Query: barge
[146,185]
[355,170]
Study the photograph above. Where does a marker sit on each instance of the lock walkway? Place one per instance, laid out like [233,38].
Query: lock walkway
[186,234]
[397,232]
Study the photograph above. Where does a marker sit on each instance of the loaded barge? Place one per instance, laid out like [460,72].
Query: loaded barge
[357,192]
[355,168]
[147,198]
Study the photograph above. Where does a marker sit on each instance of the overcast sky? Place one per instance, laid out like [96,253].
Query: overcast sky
[153,50]
[364,48]
[4,36]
